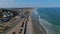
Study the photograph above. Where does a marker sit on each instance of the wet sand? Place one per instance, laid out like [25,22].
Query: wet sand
[35,27]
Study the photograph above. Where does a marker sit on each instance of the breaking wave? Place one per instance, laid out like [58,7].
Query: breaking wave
[49,28]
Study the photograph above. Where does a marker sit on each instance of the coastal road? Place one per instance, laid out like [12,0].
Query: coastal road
[37,28]
[14,23]
[15,26]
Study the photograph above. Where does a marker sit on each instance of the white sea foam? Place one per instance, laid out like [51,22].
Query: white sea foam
[49,28]
[35,11]
[45,24]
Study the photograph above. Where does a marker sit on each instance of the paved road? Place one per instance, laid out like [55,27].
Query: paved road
[16,22]
[16,28]
[38,29]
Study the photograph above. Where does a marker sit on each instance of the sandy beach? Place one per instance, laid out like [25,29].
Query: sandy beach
[34,26]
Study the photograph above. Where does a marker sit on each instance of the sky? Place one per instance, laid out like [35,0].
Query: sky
[29,3]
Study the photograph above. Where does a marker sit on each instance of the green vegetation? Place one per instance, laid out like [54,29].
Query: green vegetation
[2,29]
[1,15]
[6,14]
[5,10]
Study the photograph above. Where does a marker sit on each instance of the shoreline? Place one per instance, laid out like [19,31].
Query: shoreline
[39,21]
[37,26]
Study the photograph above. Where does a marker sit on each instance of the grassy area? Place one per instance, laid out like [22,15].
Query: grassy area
[2,29]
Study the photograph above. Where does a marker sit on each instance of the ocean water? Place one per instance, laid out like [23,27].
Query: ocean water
[49,18]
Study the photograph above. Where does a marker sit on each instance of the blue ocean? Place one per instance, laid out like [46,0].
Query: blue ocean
[49,18]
